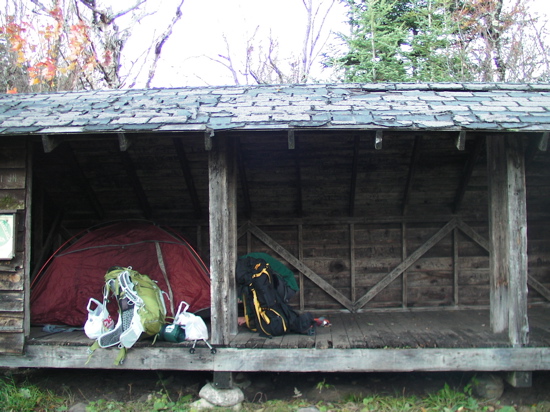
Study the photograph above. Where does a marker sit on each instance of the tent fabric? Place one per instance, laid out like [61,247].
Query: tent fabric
[76,273]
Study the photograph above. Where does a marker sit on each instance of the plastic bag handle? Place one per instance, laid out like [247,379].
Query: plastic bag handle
[97,302]
[179,308]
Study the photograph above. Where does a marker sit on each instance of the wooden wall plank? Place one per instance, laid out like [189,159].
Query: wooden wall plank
[11,301]
[444,231]
[11,343]
[13,279]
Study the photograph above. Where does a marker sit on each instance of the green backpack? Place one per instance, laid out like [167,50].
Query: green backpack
[141,310]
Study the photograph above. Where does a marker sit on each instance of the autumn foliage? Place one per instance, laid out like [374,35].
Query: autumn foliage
[53,45]
[55,55]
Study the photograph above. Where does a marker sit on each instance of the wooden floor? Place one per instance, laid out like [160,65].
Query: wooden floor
[430,329]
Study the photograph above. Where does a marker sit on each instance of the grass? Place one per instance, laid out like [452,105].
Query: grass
[27,397]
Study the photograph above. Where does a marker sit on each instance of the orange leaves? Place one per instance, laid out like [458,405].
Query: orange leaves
[45,70]
[57,13]
[14,34]
[79,41]
[52,49]
[12,91]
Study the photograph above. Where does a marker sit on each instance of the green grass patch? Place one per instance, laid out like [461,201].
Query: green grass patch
[25,397]
[16,397]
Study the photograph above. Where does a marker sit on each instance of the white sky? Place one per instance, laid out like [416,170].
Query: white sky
[204,23]
[200,33]
[197,38]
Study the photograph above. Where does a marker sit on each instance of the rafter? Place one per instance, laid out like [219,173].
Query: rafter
[354,167]
[467,173]
[136,184]
[243,179]
[300,203]
[49,143]
[188,176]
[412,170]
[460,142]
[124,142]
[378,140]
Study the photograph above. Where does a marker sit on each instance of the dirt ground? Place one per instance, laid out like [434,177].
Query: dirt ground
[91,385]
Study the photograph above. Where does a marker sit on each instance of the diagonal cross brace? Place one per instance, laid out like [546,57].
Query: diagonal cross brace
[403,266]
[290,258]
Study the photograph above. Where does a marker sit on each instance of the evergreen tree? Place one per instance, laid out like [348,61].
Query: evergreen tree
[443,40]
[399,40]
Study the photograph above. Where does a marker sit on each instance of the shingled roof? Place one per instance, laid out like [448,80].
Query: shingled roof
[404,106]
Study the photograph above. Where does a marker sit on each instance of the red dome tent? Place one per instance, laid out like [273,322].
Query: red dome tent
[75,273]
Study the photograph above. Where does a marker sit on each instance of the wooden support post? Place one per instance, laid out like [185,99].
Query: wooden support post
[508,237]
[223,380]
[223,238]
[520,379]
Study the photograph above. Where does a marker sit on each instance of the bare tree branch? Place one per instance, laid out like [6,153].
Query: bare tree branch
[158,48]
[106,18]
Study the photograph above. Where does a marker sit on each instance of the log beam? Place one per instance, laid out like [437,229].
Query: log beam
[508,237]
[223,238]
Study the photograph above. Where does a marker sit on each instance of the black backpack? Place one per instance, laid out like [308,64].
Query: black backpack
[265,297]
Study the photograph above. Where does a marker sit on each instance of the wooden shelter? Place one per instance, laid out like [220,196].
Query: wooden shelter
[415,216]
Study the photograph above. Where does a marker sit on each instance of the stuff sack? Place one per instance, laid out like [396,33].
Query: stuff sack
[265,300]
[141,309]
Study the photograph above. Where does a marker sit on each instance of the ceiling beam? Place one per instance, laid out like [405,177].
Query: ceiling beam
[460,141]
[243,179]
[467,172]
[188,176]
[412,170]
[535,145]
[353,184]
[208,135]
[69,156]
[136,184]
[49,143]
[297,165]
[378,139]
[124,142]
[291,140]
[543,142]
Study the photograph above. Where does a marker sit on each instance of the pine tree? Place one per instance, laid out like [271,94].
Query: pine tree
[399,40]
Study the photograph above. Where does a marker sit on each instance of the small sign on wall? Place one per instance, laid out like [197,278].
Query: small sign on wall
[7,236]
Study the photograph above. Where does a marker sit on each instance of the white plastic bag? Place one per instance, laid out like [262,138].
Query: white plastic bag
[195,328]
[99,321]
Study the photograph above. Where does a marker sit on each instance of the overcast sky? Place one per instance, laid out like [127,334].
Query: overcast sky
[200,33]
[199,36]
